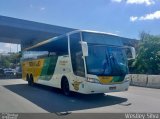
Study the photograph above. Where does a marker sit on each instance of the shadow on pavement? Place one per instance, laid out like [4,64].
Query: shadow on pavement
[52,100]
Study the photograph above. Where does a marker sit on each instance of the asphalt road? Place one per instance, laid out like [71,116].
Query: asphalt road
[17,96]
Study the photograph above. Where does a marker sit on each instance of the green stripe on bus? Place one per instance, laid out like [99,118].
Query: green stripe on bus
[48,68]
[118,79]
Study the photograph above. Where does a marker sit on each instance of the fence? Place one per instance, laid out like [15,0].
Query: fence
[151,81]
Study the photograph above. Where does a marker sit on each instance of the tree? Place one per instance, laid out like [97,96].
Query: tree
[9,60]
[148,58]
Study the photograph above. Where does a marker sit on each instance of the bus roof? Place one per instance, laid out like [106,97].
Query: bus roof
[72,32]
[44,42]
[90,31]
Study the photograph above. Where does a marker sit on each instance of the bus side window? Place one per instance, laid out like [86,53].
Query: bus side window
[51,54]
[76,55]
[42,56]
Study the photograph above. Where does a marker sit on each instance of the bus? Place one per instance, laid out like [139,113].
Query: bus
[81,61]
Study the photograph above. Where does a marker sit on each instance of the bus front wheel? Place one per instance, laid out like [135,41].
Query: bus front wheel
[65,86]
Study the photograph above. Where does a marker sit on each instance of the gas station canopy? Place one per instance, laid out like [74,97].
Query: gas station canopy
[27,33]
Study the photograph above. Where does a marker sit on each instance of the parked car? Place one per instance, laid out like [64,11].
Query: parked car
[18,72]
[8,72]
[1,73]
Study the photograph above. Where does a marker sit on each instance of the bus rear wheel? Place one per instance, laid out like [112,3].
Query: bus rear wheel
[30,81]
[65,87]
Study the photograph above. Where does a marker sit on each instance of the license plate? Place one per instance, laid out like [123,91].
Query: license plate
[112,88]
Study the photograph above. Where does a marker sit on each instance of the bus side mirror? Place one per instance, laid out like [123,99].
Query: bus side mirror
[84,48]
[133,53]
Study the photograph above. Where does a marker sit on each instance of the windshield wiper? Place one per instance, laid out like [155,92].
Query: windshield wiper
[116,67]
[105,64]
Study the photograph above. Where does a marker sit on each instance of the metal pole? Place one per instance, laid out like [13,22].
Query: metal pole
[17,48]
[10,47]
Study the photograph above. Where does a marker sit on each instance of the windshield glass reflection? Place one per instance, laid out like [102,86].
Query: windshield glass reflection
[105,60]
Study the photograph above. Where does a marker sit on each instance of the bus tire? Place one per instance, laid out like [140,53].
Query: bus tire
[27,77]
[30,80]
[65,86]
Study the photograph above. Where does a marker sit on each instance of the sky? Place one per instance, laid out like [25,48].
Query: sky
[125,18]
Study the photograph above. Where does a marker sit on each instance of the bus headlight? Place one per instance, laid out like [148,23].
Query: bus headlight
[127,78]
[92,80]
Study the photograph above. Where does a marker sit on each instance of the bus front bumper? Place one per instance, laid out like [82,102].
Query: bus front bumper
[93,88]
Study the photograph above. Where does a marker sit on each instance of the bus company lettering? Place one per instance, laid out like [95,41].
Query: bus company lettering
[63,62]
[76,85]
[35,63]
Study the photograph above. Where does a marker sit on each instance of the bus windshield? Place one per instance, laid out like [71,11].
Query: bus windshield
[106,60]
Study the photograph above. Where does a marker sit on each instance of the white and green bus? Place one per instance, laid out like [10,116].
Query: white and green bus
[86,62]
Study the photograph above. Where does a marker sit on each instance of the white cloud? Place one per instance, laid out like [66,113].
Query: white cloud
[117,1]
[133,18]
[147,2]
[152,16]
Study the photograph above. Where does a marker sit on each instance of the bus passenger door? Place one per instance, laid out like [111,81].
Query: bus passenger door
[76,61]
